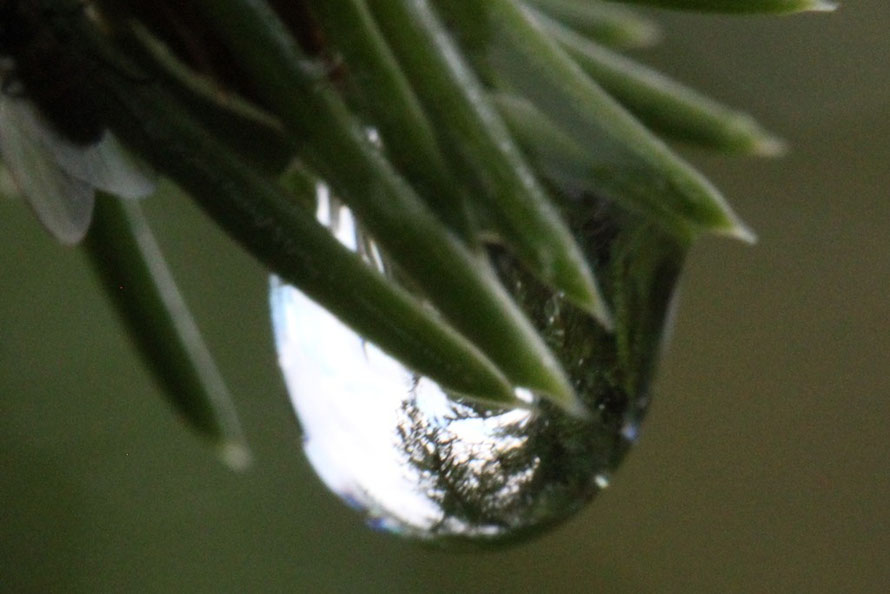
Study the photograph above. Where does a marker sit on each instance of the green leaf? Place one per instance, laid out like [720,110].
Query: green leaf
[378,87]
[741,6]
[631,165]
[481,149]
[132,270]
[662,104]
[609,24]
[454,280]
[282,234]
[561,160]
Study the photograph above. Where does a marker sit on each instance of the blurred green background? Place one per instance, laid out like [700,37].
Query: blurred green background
[763,464]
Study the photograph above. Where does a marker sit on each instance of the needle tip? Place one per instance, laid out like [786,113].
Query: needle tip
[770,146]
[823,6]
[235,455]
[741,232]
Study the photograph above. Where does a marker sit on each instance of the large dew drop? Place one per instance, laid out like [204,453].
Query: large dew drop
[416,462]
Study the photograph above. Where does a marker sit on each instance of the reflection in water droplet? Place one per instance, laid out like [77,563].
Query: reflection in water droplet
[630,431]
[421,464]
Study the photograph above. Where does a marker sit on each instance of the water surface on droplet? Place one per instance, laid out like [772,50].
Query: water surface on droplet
[425,465]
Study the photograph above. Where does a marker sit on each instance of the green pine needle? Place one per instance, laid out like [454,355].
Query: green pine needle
[606,23]
[664,105]
[133,272]
[742,6]
[632,165]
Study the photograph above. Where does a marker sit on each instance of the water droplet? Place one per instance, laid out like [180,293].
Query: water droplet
[427,466]
[630,431]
